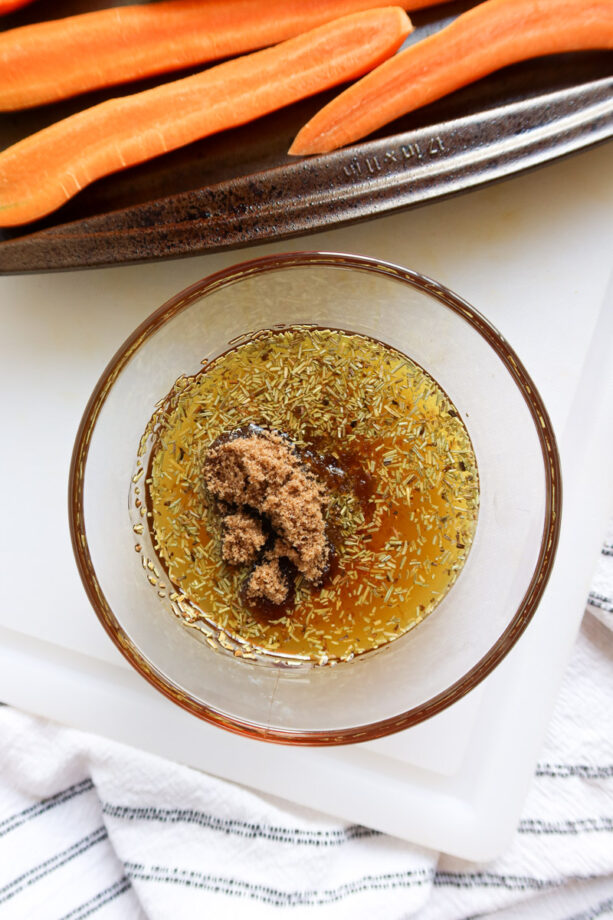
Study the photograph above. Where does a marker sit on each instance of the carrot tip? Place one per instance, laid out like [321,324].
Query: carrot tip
[491,35]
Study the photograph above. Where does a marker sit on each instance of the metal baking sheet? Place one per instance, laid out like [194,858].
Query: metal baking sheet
[240,187]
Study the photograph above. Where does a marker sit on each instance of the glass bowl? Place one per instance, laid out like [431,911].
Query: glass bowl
[476,623]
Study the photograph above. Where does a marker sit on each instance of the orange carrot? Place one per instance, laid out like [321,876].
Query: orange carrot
[43,171]
[413,5]
[7,6]
[492,35]
[48,61]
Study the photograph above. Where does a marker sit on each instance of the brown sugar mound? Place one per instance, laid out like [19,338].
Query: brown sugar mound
[242,538]
[267,581]
[259,471]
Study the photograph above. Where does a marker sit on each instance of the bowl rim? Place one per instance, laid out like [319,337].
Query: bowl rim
[551,526]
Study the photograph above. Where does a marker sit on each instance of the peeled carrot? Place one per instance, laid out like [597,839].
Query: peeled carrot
[413,5]
[488,37]
[43,171]
[53,60]
[7,6]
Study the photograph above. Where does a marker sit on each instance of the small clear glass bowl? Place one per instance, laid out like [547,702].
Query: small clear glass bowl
[476,623]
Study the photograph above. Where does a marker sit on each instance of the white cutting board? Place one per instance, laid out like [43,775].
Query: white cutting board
[534,255]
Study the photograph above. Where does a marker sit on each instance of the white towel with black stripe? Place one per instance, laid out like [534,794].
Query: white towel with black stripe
[91,828]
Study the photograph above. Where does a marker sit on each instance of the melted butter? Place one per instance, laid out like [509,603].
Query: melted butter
[389,445]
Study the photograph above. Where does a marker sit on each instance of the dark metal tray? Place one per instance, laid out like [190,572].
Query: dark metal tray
[240,187]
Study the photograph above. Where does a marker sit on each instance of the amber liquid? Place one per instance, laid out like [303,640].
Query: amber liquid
[390,447]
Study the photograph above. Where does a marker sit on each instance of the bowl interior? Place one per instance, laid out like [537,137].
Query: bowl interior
[495,594]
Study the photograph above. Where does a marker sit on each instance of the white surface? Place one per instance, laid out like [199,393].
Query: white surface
[534,255]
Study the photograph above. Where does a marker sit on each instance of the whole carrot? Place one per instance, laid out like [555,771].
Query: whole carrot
[492,35]
[47,61]
[43,171]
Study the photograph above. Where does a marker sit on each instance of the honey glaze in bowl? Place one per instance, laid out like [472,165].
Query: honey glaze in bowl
[288,692]
[384,441]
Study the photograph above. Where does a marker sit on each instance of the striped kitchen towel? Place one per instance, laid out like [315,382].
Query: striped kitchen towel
[91,828]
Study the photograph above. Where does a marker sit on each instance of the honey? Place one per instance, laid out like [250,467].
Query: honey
[393,453]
